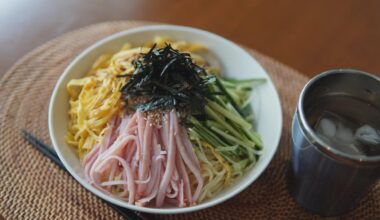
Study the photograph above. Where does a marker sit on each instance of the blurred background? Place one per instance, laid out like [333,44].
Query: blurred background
[310,36]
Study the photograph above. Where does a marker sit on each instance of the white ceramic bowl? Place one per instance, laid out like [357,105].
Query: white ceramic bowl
[235,62]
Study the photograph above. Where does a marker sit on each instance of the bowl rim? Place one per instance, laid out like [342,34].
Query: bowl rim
[175,210]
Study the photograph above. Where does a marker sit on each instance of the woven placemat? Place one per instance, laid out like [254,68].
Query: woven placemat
[32,187]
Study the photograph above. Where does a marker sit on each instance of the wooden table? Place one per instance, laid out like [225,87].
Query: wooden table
[310,36]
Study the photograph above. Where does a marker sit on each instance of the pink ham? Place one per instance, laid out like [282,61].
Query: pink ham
[192,165]
[152,161]
[144,165]
[171,150]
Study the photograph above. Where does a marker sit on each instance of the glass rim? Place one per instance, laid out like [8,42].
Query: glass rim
[310,133]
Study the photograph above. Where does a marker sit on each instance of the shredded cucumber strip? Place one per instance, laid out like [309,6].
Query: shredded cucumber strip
[225,142]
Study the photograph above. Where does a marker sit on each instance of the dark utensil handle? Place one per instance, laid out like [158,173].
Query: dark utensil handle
[52,155]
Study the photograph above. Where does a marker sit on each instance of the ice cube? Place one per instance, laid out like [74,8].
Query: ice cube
[337,132]
[327,127]
[345,134]
[368,135]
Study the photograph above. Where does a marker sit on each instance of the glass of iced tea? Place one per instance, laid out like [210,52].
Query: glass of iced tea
[336,141]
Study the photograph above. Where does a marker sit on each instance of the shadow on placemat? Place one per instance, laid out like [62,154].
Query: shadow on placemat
[32,187]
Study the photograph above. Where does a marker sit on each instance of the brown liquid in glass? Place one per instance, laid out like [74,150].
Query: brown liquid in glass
[347,124]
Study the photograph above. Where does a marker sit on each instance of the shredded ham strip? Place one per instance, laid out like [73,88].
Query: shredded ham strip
[150,164]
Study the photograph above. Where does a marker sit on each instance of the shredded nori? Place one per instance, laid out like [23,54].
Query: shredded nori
[165,79]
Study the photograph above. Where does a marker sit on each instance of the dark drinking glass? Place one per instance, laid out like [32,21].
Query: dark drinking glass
[336,141]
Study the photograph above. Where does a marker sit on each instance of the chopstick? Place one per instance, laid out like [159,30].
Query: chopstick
[41,146]
[52,155]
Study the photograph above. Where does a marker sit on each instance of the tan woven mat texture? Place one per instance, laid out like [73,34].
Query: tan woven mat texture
[32,187]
